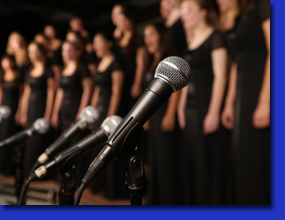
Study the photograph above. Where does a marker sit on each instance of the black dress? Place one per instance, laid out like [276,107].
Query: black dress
[179,37]
[55,57]
[72,93]
[110,183]
[251,147]
[206,155]
[165,164]
[10,98]
[127,57]
[36,145]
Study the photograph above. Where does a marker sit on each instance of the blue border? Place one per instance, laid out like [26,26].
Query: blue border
[275,211]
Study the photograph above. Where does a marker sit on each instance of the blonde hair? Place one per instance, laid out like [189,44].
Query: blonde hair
[22,58]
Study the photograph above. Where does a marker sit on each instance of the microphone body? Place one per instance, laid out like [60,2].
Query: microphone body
[88,116]
[40,126]
[73,154]
[169,78]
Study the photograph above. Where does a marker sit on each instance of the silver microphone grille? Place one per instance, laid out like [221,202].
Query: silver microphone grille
[90,114]
[175,70]
[4,111]
[110,123]
[41,125]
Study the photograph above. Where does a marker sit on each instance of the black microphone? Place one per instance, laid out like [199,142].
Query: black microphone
[171,75]
[40,126]
[4,112]
[74,153]
[88,116]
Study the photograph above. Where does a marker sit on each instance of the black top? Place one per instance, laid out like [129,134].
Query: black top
[200,60]
[178,35]
[55,57]
[10,88]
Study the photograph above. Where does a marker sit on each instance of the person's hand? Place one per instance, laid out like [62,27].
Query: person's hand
[261,116]
[168,123]
[211,123]
[227,117]
[23,121]
[17,118]
[55,121]
[146,126]
[136,90]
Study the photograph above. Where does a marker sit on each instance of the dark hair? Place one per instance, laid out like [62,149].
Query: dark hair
[75,45]
[51,25]
[245,7]
[9,57]
[212,15]
[43,51]
[166,43]
[81,40]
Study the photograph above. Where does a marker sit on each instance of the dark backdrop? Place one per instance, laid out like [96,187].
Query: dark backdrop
[29,17]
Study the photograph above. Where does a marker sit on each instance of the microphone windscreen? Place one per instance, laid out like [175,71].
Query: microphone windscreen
[90,114]
[110,123]
[4,111]
[41,125]
[174,70]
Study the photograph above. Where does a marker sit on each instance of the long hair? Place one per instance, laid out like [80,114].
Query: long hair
[76,47]
[166,44]
[245,7]
[23,56]
[43,52]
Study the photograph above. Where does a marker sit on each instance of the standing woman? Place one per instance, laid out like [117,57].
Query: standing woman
[132,53]
[72,96]
[200,105]
[106,98]
[10,91]
[37,101]
[164,134]
[247,106]
[16,47]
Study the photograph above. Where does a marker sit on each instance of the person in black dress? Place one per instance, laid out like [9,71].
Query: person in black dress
[169,10]
[37,102]
[16,46]
[116,11]
[10,91]
[106,98]
[205,139]
[247,106]
[165,176]
[72,96]
[132,55]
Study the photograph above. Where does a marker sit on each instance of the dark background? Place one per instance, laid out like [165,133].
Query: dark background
[29,17]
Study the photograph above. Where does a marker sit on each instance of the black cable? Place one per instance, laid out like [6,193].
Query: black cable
[22,199]
[79,193]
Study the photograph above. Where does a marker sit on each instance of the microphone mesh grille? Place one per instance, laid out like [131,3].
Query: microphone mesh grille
[5,111]
[41,125]
[110,123]
[90,114]
[175,70]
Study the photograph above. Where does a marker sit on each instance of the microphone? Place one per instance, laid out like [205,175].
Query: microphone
[73,154]
[4,112]
[40,126]
[171,75]
[88,116]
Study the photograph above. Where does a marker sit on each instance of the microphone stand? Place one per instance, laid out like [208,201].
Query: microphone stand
[19,176]
[68,185]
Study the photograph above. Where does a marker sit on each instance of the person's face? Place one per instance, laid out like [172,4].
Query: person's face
[71,37]
[101,45]
[15,42]
[41,40]
[164,9]
[191,13]
[69,52]
[76,24]
[115,13]
[6,64]
[49,32]
[34,53]
[151,39]
[225,5]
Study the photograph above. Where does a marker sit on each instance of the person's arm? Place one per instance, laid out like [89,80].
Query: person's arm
[95,96]
[219,63]
[117,86]
[49,99]
[168,121]
[18,113]
[57,104]
[227,116]
[87,85]
[136,89]
[56,70]
[181,108]
[1,94]
[24,104]
[261,115]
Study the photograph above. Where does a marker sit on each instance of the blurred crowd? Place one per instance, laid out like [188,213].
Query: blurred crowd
[209,144]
